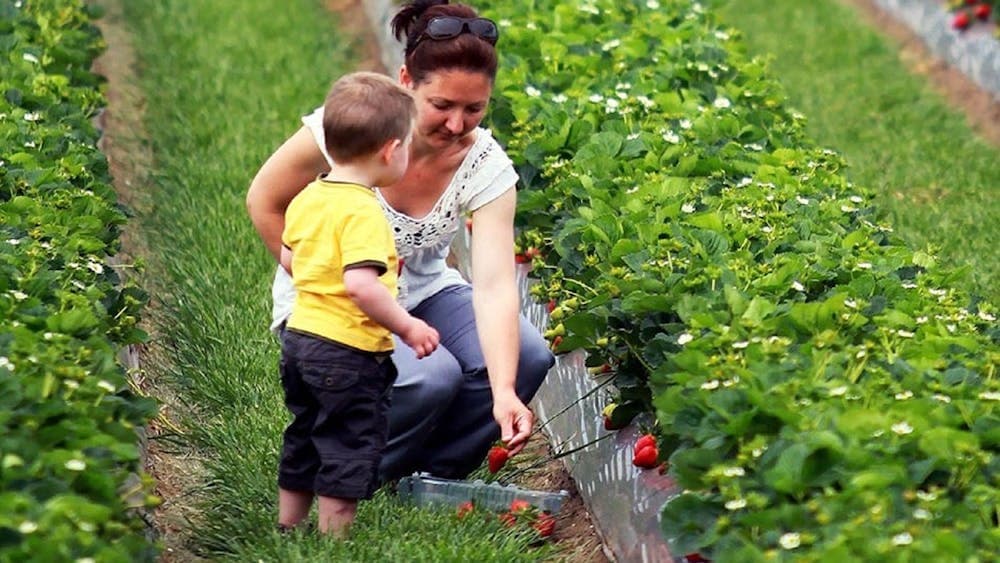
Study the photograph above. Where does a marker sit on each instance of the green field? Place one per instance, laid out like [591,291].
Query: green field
[937,178]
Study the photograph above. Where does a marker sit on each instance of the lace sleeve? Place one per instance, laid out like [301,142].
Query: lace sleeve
[494,174]
[314,122]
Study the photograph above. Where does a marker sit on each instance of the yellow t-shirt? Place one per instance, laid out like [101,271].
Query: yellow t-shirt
[332,227]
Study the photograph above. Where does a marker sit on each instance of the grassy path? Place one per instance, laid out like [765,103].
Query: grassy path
[937,179]
[224,82]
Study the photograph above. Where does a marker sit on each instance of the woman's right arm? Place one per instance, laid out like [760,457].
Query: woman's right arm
[296,163]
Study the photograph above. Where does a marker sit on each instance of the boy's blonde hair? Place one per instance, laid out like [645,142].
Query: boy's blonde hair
[364,111]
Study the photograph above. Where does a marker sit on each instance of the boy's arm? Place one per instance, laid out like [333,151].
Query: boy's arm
[368,293]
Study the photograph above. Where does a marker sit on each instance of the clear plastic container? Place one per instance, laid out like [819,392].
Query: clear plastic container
[423,489]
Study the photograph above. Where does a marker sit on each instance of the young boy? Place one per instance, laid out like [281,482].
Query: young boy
[335,365]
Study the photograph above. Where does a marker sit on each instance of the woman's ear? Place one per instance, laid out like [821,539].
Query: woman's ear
[404,77]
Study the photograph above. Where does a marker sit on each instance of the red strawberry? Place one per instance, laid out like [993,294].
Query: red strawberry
[497,457]
[508,519]
[982,11]
[645,440]
[645,457]
[695,558]
[971,2]
[519,506]
[961,21]
[465,508]
[556,342]
[545,524]
[532,252]
[550,306]
[468,223]
[521,258]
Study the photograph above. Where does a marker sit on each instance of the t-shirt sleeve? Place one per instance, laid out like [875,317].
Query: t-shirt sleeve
[363,242]
[493,177]
[314,122]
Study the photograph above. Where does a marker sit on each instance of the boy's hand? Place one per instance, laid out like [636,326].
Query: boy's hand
[421,337]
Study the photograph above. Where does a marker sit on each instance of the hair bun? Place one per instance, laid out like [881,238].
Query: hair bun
[408,15]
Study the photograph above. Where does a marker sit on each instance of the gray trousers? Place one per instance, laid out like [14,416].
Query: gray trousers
[441,417]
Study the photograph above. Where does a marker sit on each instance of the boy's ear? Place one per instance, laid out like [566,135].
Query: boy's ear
[389,150]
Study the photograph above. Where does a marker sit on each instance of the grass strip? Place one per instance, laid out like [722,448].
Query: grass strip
[225,81]
[936,178]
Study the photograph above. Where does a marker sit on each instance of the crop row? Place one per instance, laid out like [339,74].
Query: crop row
[68,417]
[821,391]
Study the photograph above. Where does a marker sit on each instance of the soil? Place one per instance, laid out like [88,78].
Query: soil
[981,108]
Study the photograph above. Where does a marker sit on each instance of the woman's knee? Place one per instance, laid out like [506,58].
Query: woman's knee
[430,382]
[535,361]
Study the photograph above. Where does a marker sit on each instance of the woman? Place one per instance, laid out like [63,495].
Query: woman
[449,407]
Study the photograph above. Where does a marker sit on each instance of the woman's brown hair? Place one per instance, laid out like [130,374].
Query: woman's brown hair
[465,51]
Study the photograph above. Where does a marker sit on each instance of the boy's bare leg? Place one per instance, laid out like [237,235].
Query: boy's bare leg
[336,515]
[293,507]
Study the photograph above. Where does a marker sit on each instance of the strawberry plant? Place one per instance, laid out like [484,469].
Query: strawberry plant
[821,390]
[68,417]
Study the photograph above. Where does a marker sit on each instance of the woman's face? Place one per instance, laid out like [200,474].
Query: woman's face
[450,104]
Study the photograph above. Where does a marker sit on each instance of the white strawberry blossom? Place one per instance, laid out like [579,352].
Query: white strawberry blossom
[736,504]
[740,345]
[6,363]
[942,398]
[710,385]
[504,23]
[590,9]
[990,396]
[766,229]
[790,540]
[671,137]
[19,295]
[986,316]
[909,285]
[921,320]
[13,241]
[95,267]
[927,496]
[76,465]
[902,539]
[850,303]
[722,35]
[611,44]
[71,384]
[27,527]
[33,116]
[611,105]
[646,102]
[596,98]
[856,199]
[905,395]
[797,286]
[722,103]
[532,91]
[847,209]
[106,385]
[85,560]
[838,391]
[802,200]
[559,98]
[921,514]
[734,472]
[905,333]
[744,181]
[531,25]
[902,428]
[687,208]
[865,265]
[684,338]
[685,124]
[937,292]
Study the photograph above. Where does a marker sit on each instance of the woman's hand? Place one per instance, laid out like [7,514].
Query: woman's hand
[516,421]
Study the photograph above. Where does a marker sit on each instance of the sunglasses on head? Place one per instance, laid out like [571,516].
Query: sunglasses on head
[448,27]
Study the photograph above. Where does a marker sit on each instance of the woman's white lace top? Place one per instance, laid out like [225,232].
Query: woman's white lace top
[423,244]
